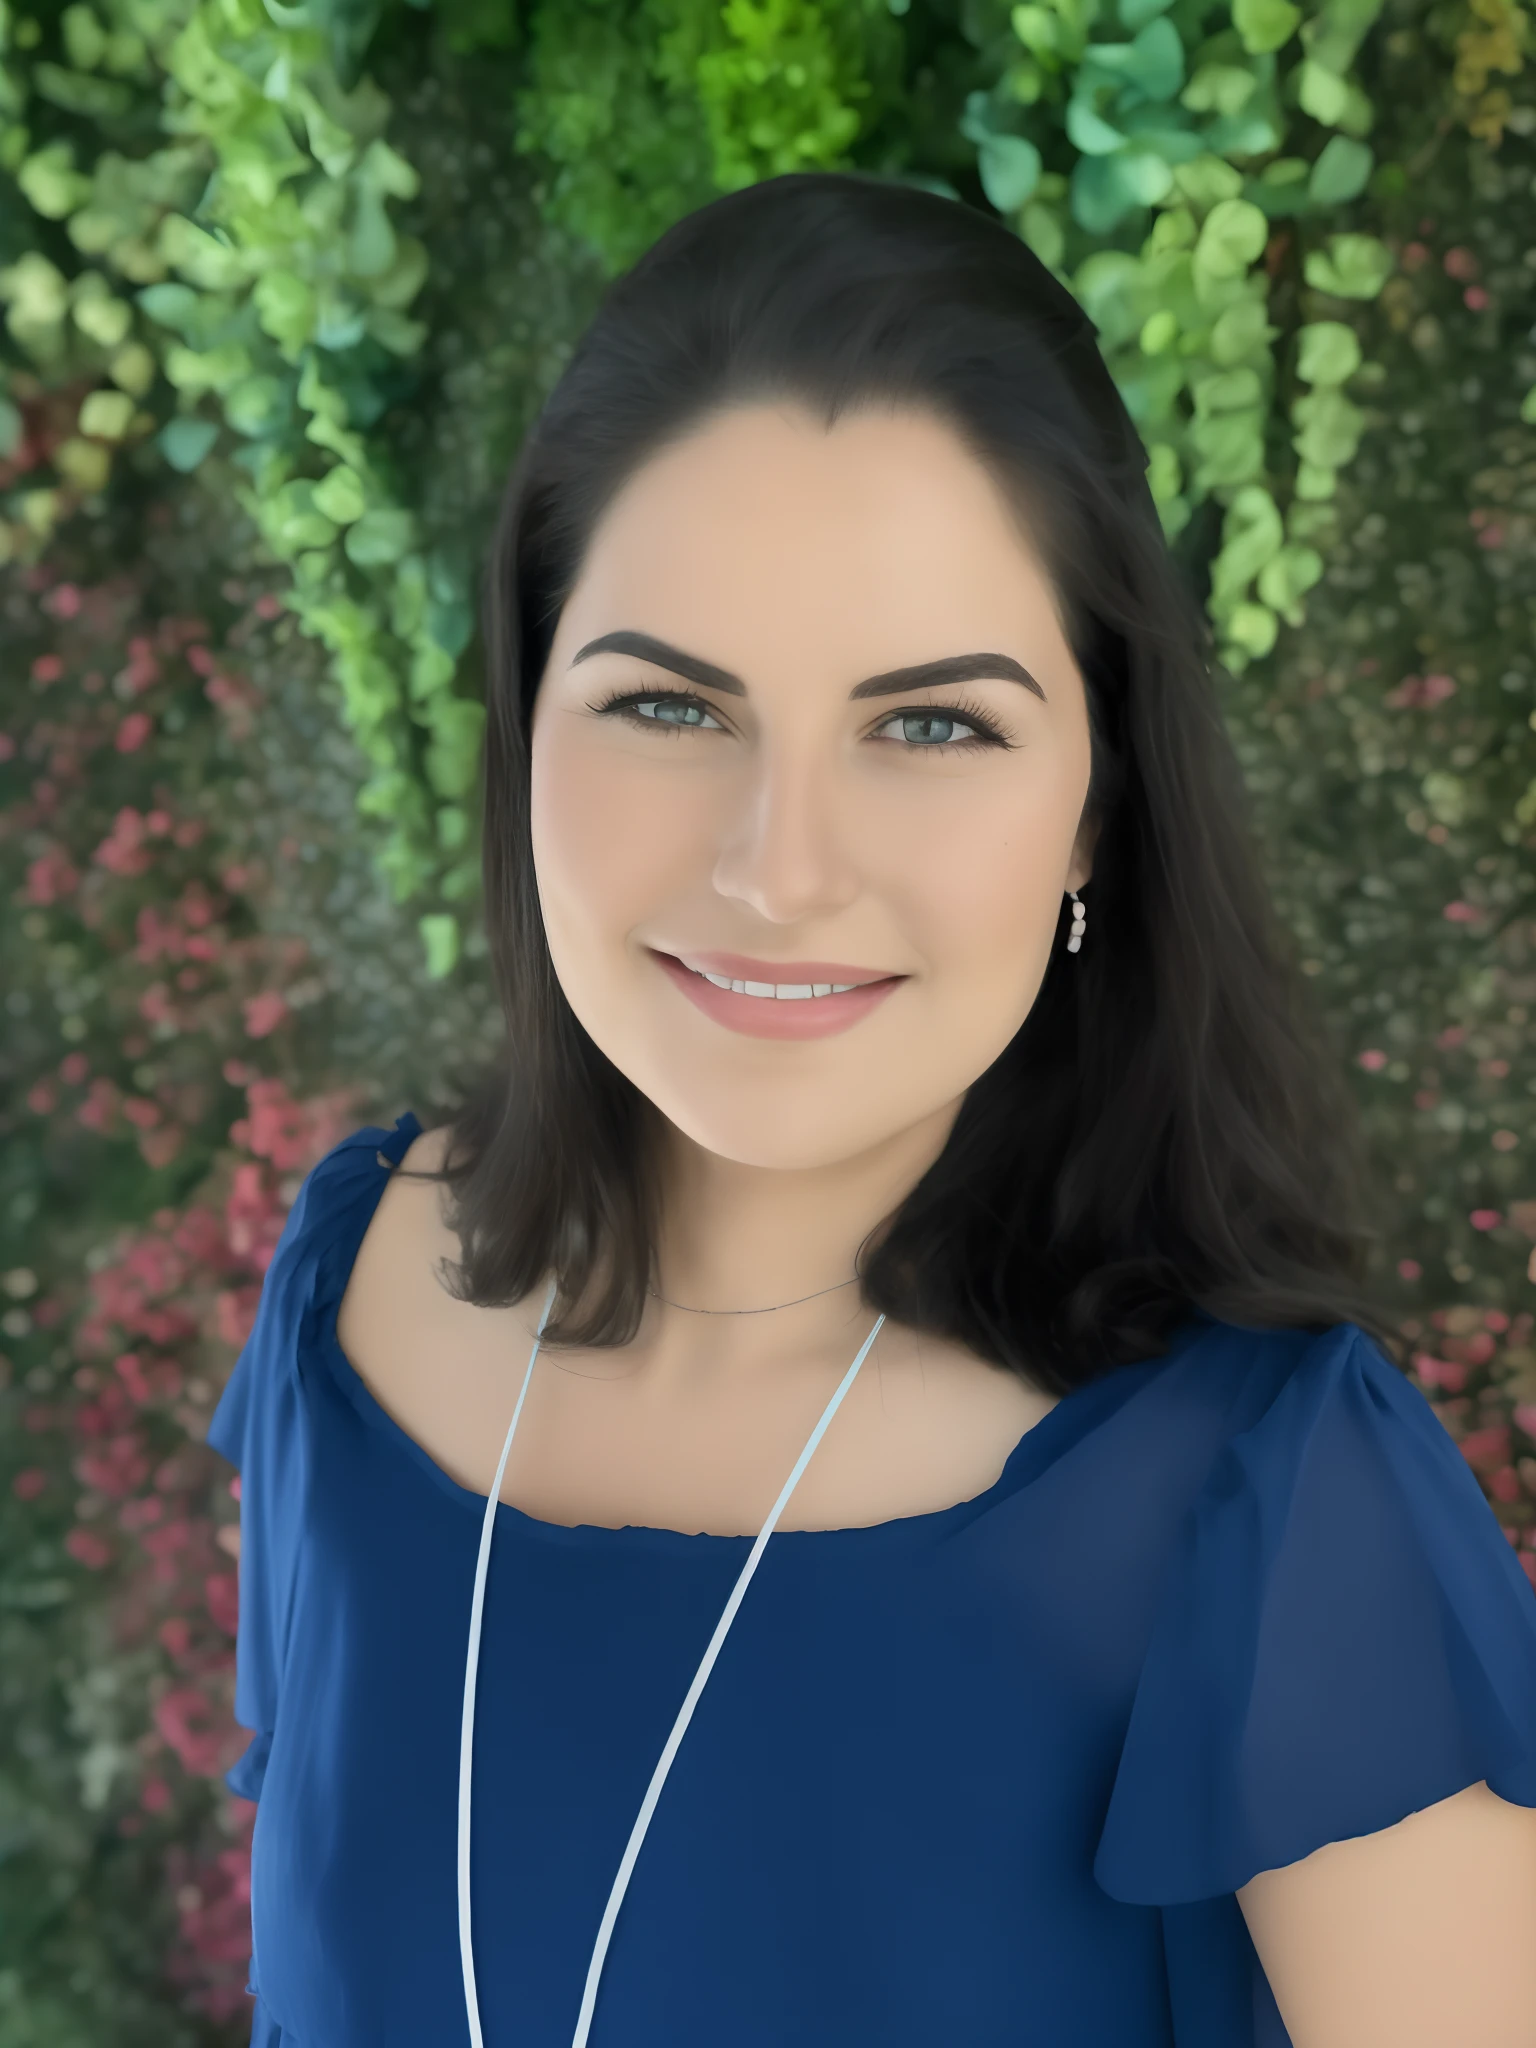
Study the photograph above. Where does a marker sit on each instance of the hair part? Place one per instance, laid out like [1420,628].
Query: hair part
[1168,1131]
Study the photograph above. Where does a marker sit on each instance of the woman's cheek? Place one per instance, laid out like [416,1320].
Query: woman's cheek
[598,835]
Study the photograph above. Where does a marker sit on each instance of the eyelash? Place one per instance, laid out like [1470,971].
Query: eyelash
[962,711]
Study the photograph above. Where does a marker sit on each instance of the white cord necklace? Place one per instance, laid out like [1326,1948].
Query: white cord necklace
[679,1726]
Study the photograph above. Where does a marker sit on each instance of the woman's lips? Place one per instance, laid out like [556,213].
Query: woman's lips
[777,1016]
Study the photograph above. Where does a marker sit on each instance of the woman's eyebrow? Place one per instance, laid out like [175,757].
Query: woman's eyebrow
[954,668]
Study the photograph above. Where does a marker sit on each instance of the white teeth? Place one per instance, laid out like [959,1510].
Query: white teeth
[794,991]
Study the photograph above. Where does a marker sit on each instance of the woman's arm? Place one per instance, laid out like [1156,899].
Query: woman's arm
[1421,1936]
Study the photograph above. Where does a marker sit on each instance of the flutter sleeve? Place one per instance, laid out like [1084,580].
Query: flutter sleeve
[260,1426]
[1344,1637]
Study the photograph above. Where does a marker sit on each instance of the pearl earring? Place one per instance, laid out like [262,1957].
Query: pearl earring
[1079,922]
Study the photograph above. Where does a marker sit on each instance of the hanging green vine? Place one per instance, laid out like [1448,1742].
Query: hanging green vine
[272,295]
[1170,132]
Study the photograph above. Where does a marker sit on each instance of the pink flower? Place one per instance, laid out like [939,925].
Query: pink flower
[1462,913]
[1460,264]
[116,1469]
[237,1314]
[42,1098]
[89,1549]
[221,1590]
[159,1148]
[122,851]
[1486,1446]
[1409,1269]
[1474,298]
[1485,1219]
[47,668]
[1525,1418]
[50,877]
[100,1104]
[29,1482]
[264,1013]
[73,1068]
[155,1795]
[1440,1372]
[134,731]
[182,1715]
[1373,1061]
[1420,692]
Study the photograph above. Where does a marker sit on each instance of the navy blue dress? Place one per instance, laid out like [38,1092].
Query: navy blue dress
[983,1778]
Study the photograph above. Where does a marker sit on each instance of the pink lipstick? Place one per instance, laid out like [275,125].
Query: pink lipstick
[780,999]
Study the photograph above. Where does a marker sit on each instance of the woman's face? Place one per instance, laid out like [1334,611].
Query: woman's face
[756,791]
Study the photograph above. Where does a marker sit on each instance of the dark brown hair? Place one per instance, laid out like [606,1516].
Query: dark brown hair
[1167,1131]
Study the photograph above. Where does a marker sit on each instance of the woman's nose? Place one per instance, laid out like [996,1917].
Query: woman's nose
[786,839]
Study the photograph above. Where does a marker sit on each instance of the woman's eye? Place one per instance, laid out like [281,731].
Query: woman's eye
[672,714]
[934,731]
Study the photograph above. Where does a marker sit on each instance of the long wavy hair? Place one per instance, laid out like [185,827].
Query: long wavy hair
[1168,1131]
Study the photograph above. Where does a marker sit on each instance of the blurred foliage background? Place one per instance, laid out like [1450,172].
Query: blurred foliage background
[282,287]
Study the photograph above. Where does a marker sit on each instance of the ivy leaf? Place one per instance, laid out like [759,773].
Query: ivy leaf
[1088,132]
[1341,172]
[1010,170]
[1106,285]
[1286,577]
[1107,188]
[1331,427]
[1254,628]
[439,931]
[1230,446]
[257,405]
[1352,266]
[1232,238]
[50,182]
[1265,25]
[185,441]
[1241,330]
[1252,533]
[1159,129]
[106,100]
[1254,132]
[379,537]
[1321,93]
[340,496]
[1328,352]
[172,305]
[1135,14]
[1151,66]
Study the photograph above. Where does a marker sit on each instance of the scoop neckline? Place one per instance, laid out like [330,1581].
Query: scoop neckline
[591,1535]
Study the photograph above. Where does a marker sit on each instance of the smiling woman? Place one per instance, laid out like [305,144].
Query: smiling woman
[856,1491]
